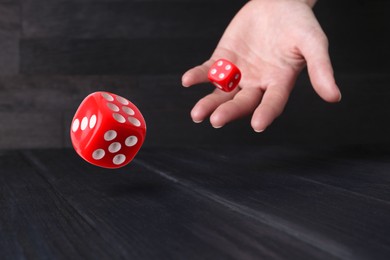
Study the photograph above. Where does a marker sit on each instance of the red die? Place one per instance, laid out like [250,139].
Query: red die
[224,75]
[107,130]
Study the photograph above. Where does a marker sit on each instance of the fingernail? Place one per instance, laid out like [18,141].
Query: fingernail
[183,79]
[217,126]
[340,97]
[197,121]
[259,131]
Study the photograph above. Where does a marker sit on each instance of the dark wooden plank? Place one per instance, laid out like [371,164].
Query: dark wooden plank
[55,93]
[59,92]
[112,56]
[62,207]
[361,170]
[126,19]
[9,38]
[294,189]
[9,19]
[123,19]
[26,129]
[9,52]
[39,109]
[32,212]
[270,202]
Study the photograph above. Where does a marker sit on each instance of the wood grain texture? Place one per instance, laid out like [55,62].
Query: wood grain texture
[57,93]
[63,56]
[333,200]
[26,129]
[198,203]
[10,27]
[126,19]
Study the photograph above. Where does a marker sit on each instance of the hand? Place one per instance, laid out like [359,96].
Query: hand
[271,42]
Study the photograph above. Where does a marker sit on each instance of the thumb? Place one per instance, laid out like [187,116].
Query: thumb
[196,75]
[315,51]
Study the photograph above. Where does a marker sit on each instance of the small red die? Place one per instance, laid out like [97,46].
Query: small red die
[107,130]
[224,75]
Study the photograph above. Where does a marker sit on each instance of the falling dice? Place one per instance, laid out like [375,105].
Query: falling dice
[224,75]
[107,130]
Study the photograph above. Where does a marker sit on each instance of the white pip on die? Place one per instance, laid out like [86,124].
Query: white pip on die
[224,75]
[107,130]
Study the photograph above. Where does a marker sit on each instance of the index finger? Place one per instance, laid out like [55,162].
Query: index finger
[196,75]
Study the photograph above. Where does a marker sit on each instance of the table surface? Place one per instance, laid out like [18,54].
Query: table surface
[269,202]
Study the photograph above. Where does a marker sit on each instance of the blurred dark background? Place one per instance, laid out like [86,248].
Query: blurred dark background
[53,53]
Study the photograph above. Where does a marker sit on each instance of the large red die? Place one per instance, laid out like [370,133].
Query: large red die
[224,75]
[107,130]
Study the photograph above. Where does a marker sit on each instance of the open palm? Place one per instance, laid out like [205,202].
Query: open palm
[271,42]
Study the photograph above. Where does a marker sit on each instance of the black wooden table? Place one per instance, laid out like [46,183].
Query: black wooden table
[198,203]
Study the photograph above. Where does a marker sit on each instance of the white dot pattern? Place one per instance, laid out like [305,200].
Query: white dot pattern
[113,107]
[228,67]
[119,159]
[114,147]
[220,63]
[236,76]
[230,84]
[221,76]
[110,135]
[213,71]
[121,112]
[119,117]
[107,97]
[98,154]
[75,125]
[134,121]
[128,111]
[84,123]
[122,100]
[92,121]
[131,141]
